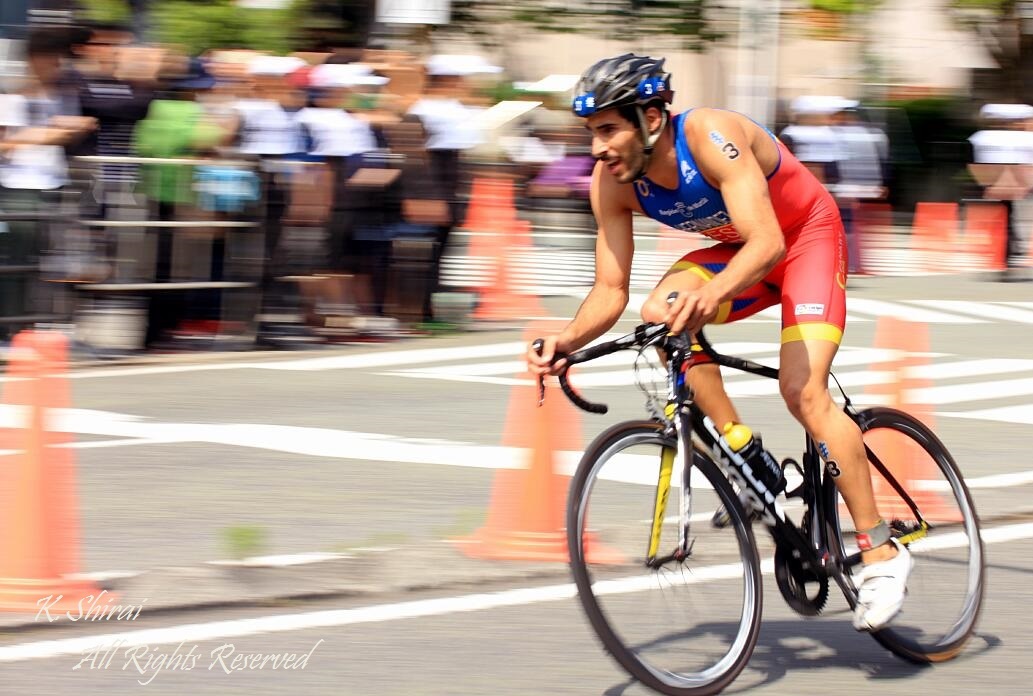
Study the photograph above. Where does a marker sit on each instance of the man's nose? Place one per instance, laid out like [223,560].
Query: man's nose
[598,148]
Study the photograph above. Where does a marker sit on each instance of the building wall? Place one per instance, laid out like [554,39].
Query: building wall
[914,42]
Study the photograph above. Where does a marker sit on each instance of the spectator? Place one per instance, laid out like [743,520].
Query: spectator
[269,130]
[1002,153]
[175,126]
[863,150]
[451,129]
[37,124]
[41,120]
[116,83]
[341,141]
[810,137]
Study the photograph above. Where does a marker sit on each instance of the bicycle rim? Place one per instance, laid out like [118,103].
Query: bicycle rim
[945,589]
[687,628]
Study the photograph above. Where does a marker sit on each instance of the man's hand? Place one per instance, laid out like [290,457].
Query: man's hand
[543,364]
[691,311]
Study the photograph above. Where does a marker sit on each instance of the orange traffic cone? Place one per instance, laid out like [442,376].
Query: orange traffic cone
[872,224]
[986,233]
[933,233]
[526,513]
[39,536]
[489,213]
[499,298]
[908,462]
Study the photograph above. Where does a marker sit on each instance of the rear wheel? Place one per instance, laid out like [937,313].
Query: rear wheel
[945,589]
[685,628]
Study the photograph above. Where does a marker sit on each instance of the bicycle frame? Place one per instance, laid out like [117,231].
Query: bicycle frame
[697,436]
[811,552]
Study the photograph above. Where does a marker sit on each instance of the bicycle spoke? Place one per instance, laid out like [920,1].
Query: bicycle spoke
[682,627]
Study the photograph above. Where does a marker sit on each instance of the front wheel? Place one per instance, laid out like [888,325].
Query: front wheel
[945,589]
[682,627]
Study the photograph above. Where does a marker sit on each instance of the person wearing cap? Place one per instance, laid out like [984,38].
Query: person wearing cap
[341,140]
[269,131]
[1002,162]
[780,243]
[860,167]
[176,126]
[451,130]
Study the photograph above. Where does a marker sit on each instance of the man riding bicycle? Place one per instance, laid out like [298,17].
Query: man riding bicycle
[781,241]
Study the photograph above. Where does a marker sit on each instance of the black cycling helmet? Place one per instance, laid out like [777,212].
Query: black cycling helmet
[626,80]
[621,81]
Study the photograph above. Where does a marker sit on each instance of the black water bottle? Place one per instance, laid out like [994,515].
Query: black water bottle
[741,440]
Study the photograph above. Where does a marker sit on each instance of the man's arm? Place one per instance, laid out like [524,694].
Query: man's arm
[614,247]
[608,297]
[724,155]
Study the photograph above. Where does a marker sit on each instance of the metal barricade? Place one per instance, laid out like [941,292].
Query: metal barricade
[179,271]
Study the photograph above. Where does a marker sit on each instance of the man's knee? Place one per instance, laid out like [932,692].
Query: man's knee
[803,397]
[654,310]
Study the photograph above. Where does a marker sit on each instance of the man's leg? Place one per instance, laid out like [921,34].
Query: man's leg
[803,380]
[704,378]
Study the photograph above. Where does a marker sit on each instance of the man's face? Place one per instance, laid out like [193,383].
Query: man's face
[616,143]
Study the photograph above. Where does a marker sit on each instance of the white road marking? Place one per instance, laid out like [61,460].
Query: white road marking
[379,613]
[986,310]
[374,447]
[959,393]
[1009,414]
[880,308]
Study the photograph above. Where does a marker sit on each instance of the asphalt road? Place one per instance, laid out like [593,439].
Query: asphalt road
[180,463]
[542,647]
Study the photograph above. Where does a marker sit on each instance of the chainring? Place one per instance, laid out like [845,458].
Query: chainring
[802,589]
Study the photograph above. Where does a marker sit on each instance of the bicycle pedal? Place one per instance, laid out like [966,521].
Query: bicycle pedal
[721,519]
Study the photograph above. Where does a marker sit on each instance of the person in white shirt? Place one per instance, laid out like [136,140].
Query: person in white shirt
[341,140]
[1002,155]
[451,128]
[862,153]
[269,130]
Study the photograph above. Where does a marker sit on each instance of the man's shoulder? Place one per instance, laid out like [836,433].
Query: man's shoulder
[699,124]
[702,115]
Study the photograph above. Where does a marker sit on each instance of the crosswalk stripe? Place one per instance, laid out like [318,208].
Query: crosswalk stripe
[988,310]
[750,386]
[958,393]
[1022,413]
[971,368]
[648,265]
[881,308]
[396,357]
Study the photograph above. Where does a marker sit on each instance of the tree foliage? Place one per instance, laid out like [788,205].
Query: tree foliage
[842,6]
[199,26]
[107,11]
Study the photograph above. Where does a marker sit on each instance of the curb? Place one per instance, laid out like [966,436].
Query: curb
[436,565]
[366,573]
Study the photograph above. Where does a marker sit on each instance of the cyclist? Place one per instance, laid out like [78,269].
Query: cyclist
[781,241]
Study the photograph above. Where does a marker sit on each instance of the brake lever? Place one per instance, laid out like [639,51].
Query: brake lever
[538,345]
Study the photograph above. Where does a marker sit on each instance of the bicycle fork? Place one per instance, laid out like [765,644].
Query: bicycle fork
[663,490]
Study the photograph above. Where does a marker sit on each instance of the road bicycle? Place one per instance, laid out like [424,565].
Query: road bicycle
[689,624]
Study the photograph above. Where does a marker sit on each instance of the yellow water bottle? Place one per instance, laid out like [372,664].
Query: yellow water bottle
[741,440]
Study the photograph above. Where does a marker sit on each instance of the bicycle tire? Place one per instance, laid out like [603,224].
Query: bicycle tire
[913,638]
[703,581]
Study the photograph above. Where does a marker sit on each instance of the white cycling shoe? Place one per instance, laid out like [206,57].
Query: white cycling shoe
[883,586]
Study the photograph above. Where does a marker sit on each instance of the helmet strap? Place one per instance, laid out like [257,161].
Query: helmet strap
[648,139]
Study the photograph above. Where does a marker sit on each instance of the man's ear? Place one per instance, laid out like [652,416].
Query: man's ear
[654,119]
